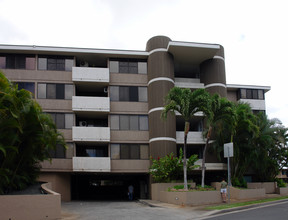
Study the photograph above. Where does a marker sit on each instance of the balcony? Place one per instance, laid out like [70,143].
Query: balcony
[91,164]
[255,104]
[194,137]
[211,166]
[90,104]
[192,83]
[91,134]
[87,74]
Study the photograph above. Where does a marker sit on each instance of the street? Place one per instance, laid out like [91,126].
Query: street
[110,210]
[276,210]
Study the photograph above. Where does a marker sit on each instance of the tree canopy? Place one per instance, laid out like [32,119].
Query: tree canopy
[26,137]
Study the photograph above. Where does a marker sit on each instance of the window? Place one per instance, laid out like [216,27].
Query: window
[63,120]
[55,63]
[251,94]
[133,66]
[59,152]
[129,122]
[55,91]
[128,93]
[130,151]
[30,86]
[91,151]
[17,61]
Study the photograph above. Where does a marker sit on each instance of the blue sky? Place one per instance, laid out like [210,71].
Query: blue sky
[254,33]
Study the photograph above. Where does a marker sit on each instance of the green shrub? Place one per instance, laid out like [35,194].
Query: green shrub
[280,182]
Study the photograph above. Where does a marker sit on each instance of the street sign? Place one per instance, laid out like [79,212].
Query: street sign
[228,150]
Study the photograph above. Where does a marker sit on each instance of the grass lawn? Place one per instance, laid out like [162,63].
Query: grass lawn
[234,205]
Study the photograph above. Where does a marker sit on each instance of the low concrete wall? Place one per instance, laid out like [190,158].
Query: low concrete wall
[283,191]
[190,198]
[247,193]
[156,188]
[27,207]
[60,183]
[270,187]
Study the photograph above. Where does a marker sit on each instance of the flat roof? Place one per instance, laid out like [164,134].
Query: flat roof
[238,86]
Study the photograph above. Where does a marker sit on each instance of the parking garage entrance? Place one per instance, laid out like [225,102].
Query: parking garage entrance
[96,186]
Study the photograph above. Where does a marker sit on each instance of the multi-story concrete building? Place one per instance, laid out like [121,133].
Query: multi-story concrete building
[107,104]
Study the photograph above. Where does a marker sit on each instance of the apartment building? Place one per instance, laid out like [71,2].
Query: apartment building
[107,104]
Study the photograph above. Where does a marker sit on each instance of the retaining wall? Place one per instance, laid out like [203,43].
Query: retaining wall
[27,207]
[270,187]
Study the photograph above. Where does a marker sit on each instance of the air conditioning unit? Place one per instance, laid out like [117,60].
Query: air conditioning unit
[83,123]
[84,64]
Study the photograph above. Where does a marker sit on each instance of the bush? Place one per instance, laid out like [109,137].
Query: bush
[280,182]
[168,168]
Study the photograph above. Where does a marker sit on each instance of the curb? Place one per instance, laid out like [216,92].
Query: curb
[251,206]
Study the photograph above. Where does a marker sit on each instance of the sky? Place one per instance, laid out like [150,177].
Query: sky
[254,33]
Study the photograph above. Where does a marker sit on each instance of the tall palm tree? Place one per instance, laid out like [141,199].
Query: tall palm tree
[220,110]
[187,103]
[241,130]
[270,148]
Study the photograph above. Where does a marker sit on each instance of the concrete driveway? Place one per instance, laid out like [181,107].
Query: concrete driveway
[95,210]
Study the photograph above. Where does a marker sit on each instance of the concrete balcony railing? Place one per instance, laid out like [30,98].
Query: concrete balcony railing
[92,164]
[194,137]
[91,134]
[87,74]
[188,83]
[255,104]
[90,104]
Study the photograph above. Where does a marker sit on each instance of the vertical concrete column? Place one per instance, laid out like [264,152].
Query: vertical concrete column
[162,133]
[212,74]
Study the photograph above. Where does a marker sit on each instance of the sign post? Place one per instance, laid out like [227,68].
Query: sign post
[228,152]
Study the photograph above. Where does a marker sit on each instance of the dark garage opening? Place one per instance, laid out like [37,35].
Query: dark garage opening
[108,187]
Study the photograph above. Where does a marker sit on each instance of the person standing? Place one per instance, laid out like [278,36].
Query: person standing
[223,190]
[130,192]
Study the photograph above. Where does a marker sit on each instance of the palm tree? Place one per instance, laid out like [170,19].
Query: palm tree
[26,136]
[270,148]
[220,110]
[187,103]
[241,130]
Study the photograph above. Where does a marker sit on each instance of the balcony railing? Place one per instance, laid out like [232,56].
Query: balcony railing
[90,104]
[194,137]
[87,74]
[188,83]
[255,104]
[91,134]
[92,164]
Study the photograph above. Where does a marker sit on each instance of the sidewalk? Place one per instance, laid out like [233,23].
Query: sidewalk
[201,211]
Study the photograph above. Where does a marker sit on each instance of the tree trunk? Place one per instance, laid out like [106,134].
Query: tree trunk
[204,156]
[187,127]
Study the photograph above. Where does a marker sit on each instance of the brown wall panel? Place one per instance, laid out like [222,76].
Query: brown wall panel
[141,137]
[38,76]
[55,105]
[217,89]
[128,79]
[128,107]
[157,91]
[213,71]
[159,127]
[157,42]
[162,148]
[160,64]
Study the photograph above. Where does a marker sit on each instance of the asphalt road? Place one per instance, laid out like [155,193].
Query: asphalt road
[111,210]
[277,210]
